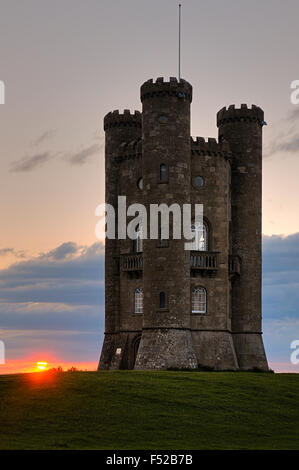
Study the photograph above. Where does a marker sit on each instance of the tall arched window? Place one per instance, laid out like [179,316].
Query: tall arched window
[162,300]
[138,300]
[199,300]
[138,240]
[200,235]
[163,172]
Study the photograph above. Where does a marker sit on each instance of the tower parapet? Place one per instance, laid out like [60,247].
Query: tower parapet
[211,147]
[125,119]
[242,114]
[180,89]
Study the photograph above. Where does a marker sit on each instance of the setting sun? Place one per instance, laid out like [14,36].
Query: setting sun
[41,365]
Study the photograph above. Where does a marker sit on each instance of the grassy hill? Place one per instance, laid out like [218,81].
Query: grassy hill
[149,410]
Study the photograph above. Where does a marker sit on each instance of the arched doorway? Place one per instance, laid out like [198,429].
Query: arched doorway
[135,346]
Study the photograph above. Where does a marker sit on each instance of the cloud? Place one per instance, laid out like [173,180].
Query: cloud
[288,144]
[281,255]
[71,276]
[6,251]
[63,251]
[12,251]
[293,114]
[44,137]
[30,163]
[280,296]
[84,155]
[54,302]
[287,139]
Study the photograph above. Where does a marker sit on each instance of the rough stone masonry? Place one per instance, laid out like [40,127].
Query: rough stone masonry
[167,307]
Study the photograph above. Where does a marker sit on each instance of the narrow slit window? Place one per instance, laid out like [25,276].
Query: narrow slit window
[163,172]
[162,300]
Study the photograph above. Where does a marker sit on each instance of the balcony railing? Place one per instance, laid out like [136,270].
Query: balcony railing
[204,260]
[133,262]
[199,260]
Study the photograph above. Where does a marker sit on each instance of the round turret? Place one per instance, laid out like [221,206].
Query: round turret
[174,88]
[166,166]
[119,128]
[242,128]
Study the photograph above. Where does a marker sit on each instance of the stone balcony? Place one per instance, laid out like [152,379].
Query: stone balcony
[204,260]
[131,262]
[199,260]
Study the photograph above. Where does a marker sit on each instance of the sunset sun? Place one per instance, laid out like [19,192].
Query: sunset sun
[41,366]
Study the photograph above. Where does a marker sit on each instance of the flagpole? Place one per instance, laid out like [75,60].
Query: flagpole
[180,42]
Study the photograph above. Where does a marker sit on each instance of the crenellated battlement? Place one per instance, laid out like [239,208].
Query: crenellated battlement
[180,89]
[129,150]
[242,114]
[125,119]
[212,147]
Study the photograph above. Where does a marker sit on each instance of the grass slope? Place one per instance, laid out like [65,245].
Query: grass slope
[149,410]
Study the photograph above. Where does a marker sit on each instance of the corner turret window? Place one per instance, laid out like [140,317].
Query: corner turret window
[163,173]
[199,300]
[200,237]
[198,182]
[138,300]
[140,183]
[163,119]
[162,300]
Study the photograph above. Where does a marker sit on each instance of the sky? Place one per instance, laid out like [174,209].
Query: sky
[65,64]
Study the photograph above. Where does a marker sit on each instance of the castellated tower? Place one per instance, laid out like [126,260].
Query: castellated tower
[242,128]
[118,128]
[166,336]
[166,306]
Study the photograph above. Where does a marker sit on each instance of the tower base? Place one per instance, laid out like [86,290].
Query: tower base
[166,348]
[215,350]
[250,351]
[107,352]
[119,350]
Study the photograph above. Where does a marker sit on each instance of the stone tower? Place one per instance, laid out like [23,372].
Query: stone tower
[242,128]
[166,306]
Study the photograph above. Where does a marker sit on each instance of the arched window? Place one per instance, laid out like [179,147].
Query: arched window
[138,241]
[162,300]
[138,300]
[163,172]
[200,236]
[199,300]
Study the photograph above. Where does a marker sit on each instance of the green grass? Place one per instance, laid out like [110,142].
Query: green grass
[149,410]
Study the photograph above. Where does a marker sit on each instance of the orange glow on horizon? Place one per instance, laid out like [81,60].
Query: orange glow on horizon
[30,364]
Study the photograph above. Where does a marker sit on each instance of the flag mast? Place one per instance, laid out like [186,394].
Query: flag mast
[180,6]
